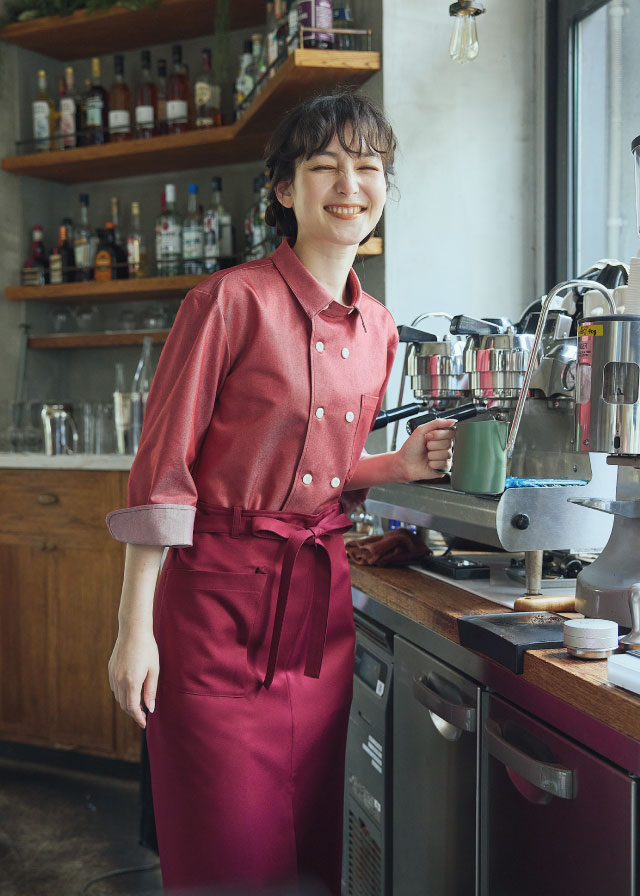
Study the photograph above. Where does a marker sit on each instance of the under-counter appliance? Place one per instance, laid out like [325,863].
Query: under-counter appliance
[435,780]
[557,820]
[366,868]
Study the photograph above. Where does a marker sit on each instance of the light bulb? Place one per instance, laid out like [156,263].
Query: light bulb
[464,38]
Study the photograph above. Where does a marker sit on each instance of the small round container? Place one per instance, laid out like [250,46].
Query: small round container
[590,639]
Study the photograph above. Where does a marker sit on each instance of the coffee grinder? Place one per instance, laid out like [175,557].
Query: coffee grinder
[608,421]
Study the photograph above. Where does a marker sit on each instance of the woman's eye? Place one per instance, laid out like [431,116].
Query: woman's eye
[369,168]
[321,168]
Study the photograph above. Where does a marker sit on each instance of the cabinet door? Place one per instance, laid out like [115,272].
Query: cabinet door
[434,776]
[558,819]
[24,674]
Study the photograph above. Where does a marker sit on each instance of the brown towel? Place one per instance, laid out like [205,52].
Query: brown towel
[399,547]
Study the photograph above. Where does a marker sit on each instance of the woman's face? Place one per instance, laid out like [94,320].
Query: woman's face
[337,196]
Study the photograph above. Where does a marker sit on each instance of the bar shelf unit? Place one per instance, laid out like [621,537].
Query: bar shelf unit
[108,339]
[302,73]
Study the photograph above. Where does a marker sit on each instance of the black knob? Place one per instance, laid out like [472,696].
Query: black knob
[520,521]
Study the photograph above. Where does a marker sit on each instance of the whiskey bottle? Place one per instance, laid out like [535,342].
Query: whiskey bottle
[136,249]
[97,124]
[43,112]
[146,109]
[119,104]
[177,95]
[207,96]
[121,271]
[83,243]
[67,255]
[244,81]
[162,126]
[69,110]
[193,235]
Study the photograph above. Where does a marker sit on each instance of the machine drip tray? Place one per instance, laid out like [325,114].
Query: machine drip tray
[505,637]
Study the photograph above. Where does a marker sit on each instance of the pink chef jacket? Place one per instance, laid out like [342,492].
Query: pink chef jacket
[264,395]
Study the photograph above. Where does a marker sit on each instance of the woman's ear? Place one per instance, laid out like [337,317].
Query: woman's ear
[284,193]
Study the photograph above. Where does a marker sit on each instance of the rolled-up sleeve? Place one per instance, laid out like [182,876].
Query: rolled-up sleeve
[161,494]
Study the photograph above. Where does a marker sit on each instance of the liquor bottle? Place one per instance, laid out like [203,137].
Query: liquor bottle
[212,227]
[316,14]
[121,271]
[55,267]
[293,27]
[97,108]
[207,96]
[38,255]
[146,100]
[136,248]
[244,81]
[271,39]
[119,104]
[83,243]
[67,255]
[162,126]
[105,263]
[258,60]
[169,233]
[226,240]
[69,111]
[343,18]
[177,95]
[115,219]
[193,235]
[43,112]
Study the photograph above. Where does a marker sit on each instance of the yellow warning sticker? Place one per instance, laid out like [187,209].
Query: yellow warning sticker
[590,330]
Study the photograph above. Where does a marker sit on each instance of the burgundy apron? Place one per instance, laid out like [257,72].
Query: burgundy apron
[254,626]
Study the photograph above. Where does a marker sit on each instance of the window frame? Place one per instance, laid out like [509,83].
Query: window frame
[562,18]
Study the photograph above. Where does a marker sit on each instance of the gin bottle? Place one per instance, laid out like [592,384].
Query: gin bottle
[193,235]
[169,237]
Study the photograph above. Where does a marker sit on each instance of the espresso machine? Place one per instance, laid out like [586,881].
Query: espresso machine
[608,422]
[523,374]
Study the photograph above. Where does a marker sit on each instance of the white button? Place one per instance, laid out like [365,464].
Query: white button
[349,416]
[319,346]
[307,478]
[345,352]
[335,482]
[320,413]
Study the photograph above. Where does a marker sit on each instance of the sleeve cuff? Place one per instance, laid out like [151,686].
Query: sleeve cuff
[164,525]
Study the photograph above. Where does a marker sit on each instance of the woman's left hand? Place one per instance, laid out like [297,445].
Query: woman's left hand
[428,451]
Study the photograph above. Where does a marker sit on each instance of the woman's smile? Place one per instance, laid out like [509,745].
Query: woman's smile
[345,211]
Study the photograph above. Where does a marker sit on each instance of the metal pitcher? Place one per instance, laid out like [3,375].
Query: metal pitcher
[60,432]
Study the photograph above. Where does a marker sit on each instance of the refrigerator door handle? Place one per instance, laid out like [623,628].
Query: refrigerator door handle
[461,716]
[547,776]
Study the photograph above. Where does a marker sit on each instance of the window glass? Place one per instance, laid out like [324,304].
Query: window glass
[607,118]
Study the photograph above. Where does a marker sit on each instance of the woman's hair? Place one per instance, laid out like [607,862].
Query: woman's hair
[309,128]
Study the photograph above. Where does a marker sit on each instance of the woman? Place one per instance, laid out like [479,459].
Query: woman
[254,430]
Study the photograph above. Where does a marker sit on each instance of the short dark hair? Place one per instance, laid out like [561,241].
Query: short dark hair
[309,128]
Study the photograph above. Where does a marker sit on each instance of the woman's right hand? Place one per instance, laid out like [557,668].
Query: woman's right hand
[133,674]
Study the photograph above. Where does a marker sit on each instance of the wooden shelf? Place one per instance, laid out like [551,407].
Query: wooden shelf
[303,72]
[160,288]
[84,34]
[96,340]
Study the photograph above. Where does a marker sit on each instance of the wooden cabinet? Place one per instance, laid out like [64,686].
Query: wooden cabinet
[61,575]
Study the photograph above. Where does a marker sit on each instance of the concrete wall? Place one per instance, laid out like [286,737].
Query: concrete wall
[462,235]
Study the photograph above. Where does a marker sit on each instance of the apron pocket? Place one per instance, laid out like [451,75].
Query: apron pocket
[204,625]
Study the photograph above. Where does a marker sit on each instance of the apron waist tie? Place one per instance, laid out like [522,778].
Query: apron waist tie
[265,525]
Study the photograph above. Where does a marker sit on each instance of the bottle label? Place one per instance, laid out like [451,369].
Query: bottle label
[55,269]
[41,120]
[82,249]
[316,13]
[94,111]
[192,242]
[170,240]
[119,121]
[144,116]
[203,93]
[68,121]
[103,265]
[176,111]
[133,252]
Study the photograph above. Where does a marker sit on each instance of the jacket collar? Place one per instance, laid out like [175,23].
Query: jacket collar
[311,295]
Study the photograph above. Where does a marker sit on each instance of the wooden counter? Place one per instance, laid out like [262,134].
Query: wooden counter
[577,685]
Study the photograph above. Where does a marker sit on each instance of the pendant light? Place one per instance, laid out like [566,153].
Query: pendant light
[463,46]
